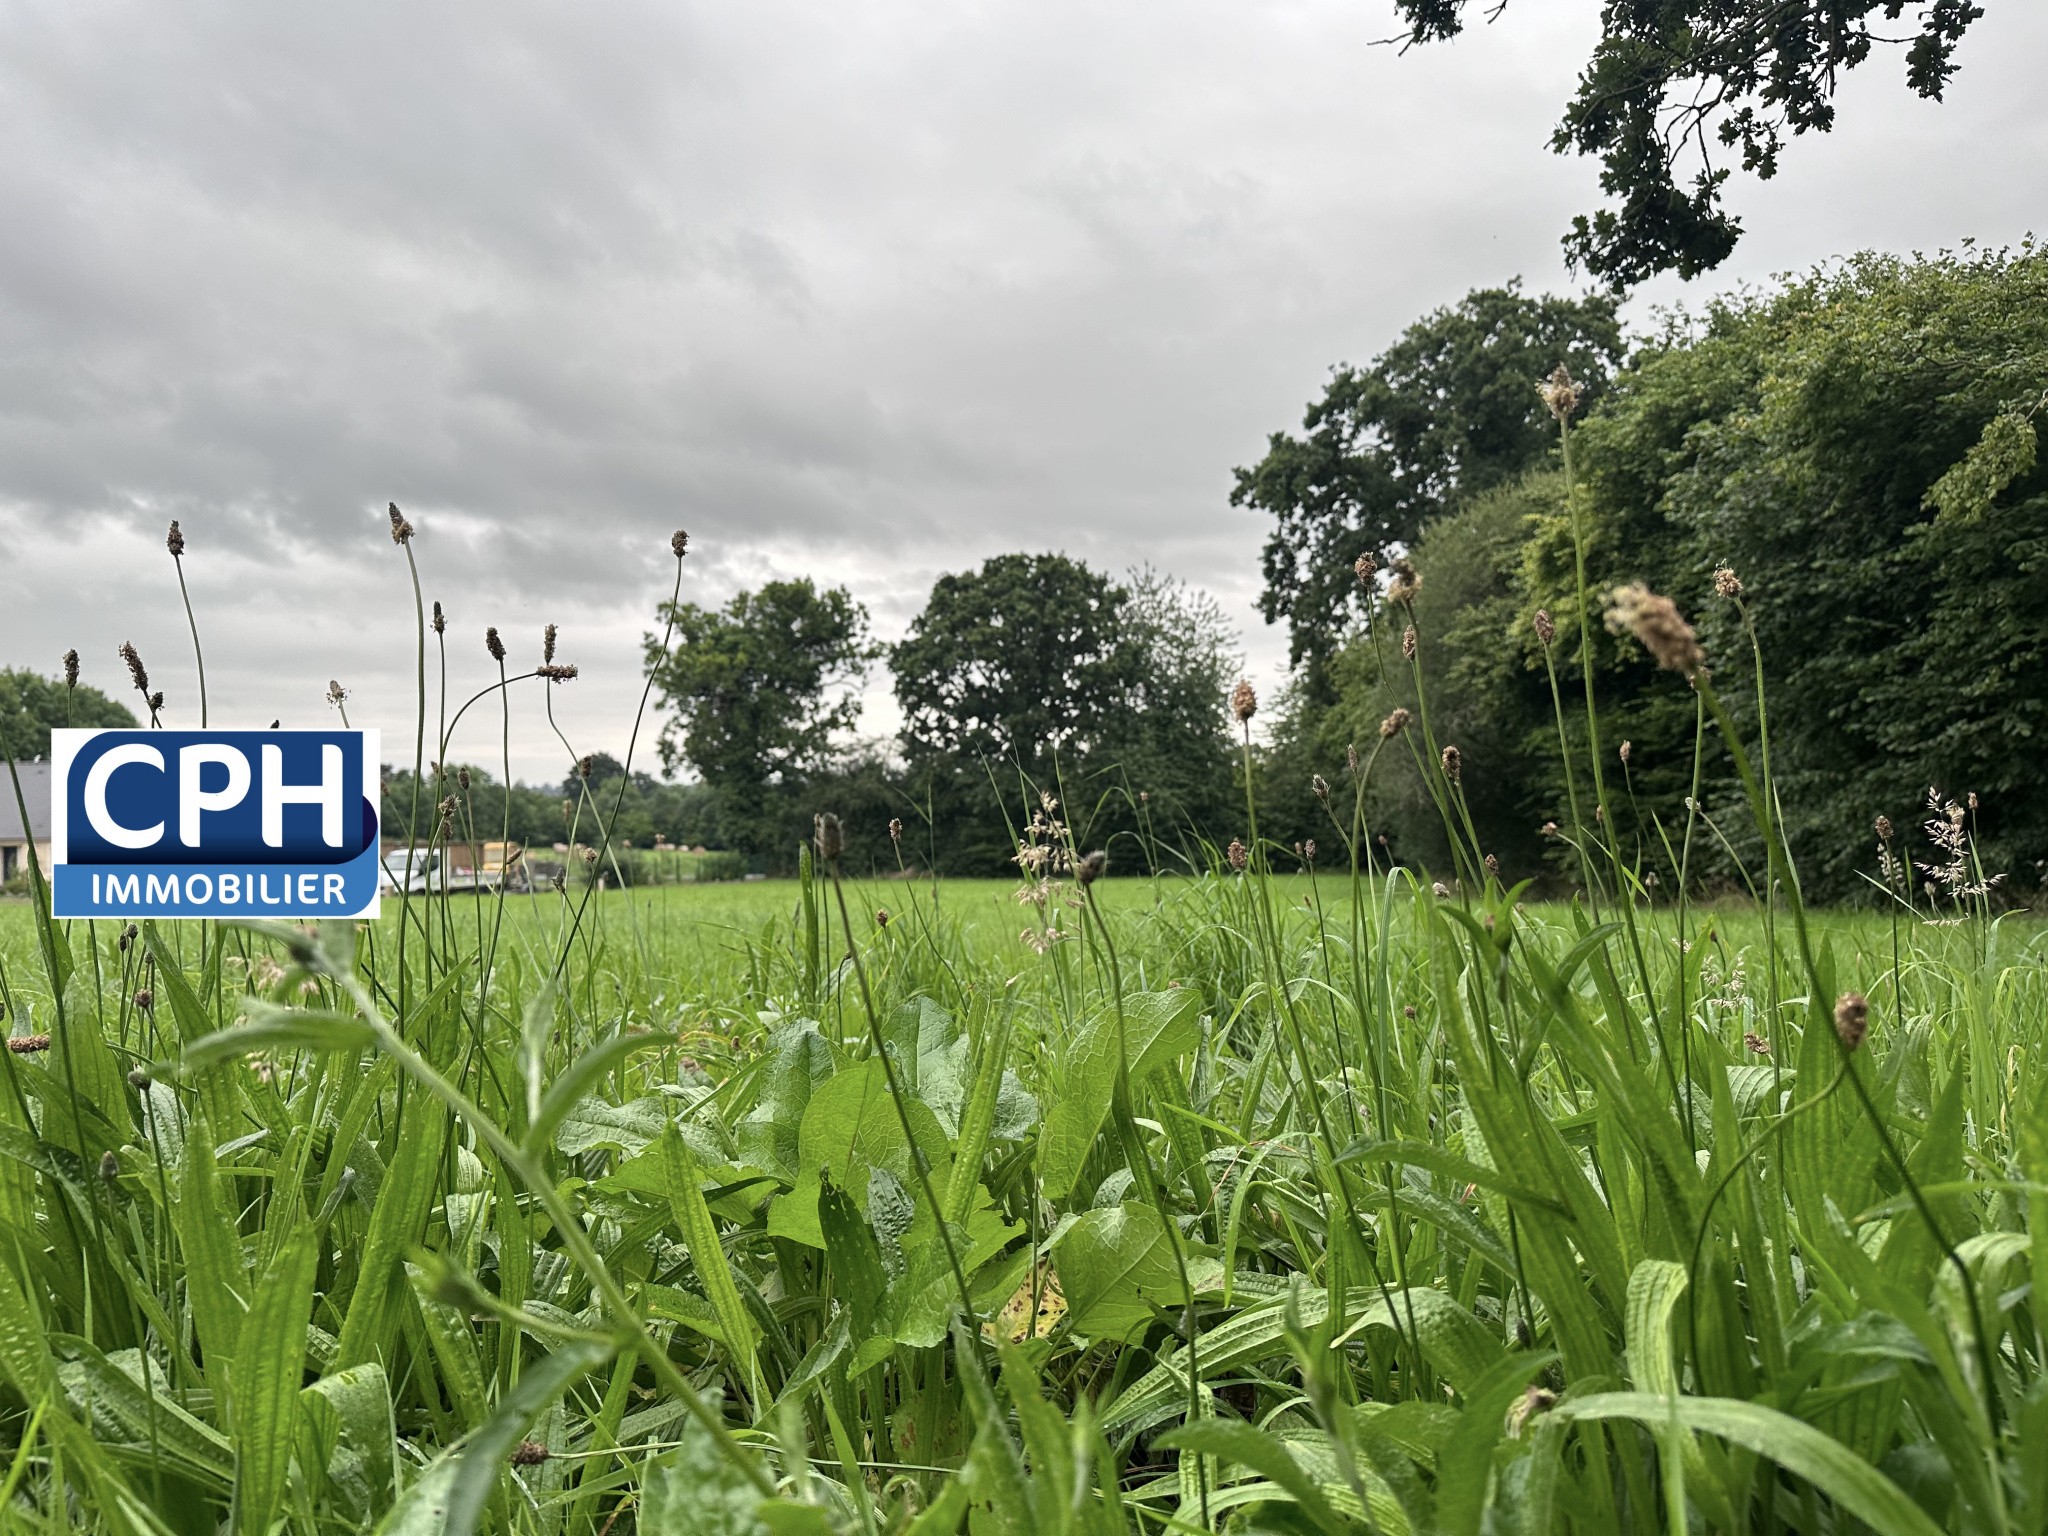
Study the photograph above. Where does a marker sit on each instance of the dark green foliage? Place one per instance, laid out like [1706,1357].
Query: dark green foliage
[31,706]
[762,691]
[1858,448]
[1798,440]
[1450,410]
[1037,674]
[1483,694]
[1692,85]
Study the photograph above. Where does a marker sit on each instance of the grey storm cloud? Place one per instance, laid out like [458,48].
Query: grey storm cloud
[862,292]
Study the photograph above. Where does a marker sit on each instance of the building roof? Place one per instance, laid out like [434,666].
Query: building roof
[35,789]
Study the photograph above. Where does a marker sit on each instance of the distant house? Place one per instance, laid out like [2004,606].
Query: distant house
[14,837]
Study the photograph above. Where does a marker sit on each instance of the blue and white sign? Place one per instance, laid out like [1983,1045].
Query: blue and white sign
[213,823]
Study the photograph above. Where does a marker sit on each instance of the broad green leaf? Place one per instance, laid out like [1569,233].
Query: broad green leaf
[695,1491]
[766,1137]
[406,1198]
[1233,1440]
[1157,1026]
[270,1360]
[568,1090]
[1792,1443]
[1115,1264]
[349,1439]
[700,1237]
[216,1274]
[591,1123]
[1653,1290]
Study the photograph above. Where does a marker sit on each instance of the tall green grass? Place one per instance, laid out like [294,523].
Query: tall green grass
[1325,1200]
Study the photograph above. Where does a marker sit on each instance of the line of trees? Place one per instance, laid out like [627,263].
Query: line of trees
[1858,447]
[1032,674]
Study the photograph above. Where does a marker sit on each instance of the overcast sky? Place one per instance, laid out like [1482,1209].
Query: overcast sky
[866,291]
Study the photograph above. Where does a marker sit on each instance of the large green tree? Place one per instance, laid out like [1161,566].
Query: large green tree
[31,706]
[1677,92]
[1859,448]
[1449,411]
[1025,657]
[1036,672]
[761,693]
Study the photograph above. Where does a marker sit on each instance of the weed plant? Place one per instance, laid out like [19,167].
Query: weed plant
[1287,1192]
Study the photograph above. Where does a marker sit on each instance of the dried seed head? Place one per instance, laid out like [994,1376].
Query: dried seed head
[174,540]
[1548,829]
[1971,799]
[558,882]
[1493,866]
[139,1078]
[1657,625]
[440,619]
[1408,643]
[1351,758]
[679,541]
[493,644]
[145,1000]
[1396,722]
[1884,829]
[529,1453]
[1308,851]
[1144,797]
[895,829]
[589,855]
[829,837]
[1319,787]
[584,766]
[1238,855]
[71,669]
[1454,764]
[1726,582]
[1627,747]
[547,644]
[1367,568]
[401,530]
[336,694]
[462,779]
[1852,1019]
[881,917]
[126,939]
[1407,1010]
[557,672]
[1443,892]
[1560,393]
[1546,627]
[1758,1045]
[28,1045]
[156,701]
[110,1167]
[1244,703]
[1092,866]
[136,670]
[1406,583]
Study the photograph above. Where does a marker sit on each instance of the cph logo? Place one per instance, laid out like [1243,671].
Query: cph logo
[213,823]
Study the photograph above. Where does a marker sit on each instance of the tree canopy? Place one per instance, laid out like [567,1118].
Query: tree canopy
[1858,447]
[1448,411]
[31,706]
[761,693]
[1678,91]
